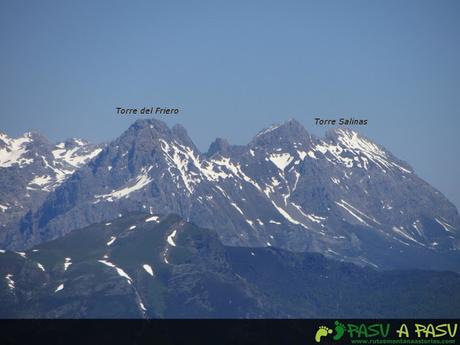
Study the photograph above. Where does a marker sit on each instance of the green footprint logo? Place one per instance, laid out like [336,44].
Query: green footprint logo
[339,331]
[322,332]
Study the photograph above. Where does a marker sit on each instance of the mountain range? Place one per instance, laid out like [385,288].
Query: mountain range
[343,195]
[289,225]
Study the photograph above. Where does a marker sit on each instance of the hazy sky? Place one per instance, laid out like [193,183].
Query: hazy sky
[234,67]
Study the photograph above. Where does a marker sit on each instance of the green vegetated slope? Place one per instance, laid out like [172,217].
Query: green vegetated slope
[144,266]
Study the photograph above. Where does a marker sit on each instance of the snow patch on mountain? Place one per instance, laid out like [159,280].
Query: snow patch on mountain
[402,231]
[10,281]
[74,156]
[351,150]
[281,160]
[136,184]
[170,238]
[67,263]
[180,157]
[148,269]
[445,225]
[152,219]
[267,130]
[120,271]
[12,150]
[44,183]
[112,239]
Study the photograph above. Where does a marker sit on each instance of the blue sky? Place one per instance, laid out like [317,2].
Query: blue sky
[234,67]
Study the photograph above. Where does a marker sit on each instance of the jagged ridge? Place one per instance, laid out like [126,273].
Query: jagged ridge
[343,196]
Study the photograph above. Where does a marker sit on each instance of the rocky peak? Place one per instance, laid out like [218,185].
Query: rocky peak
[284,135]
[218,146]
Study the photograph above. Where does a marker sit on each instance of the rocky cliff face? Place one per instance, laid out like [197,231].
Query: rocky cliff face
[343,196]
